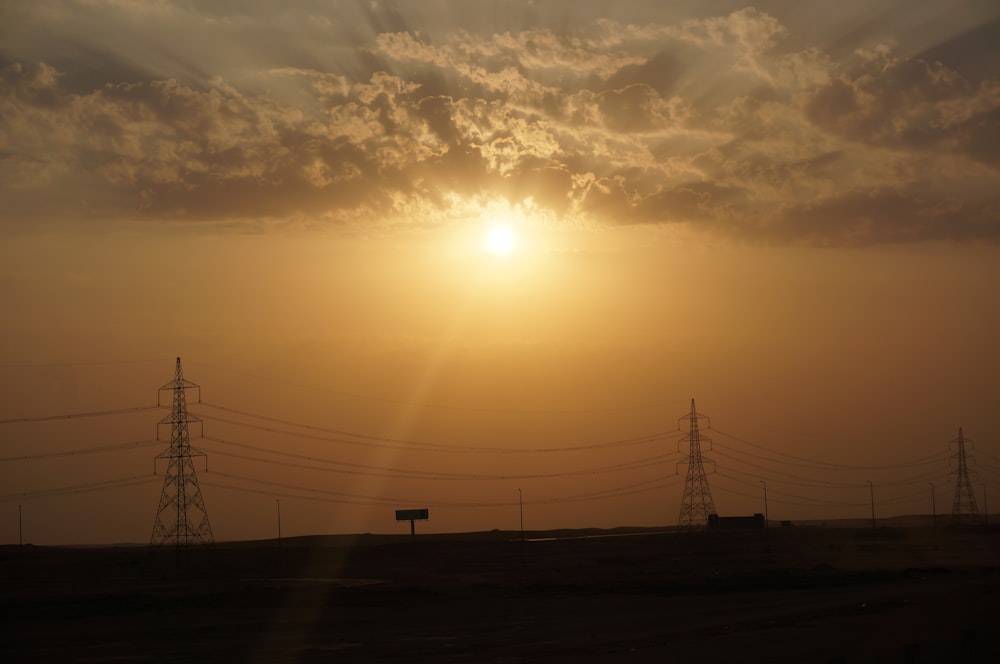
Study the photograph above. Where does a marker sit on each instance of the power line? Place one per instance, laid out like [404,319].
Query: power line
[315,459]
[135,480]
[366,500]
[828,464]
[983,453]
[365,397]
[342,497]
[209,482]
[380,442]
[812,501]
[797,504]
[87,450]
[70,416]
[937,458]
[96,363]
[987,466]
[375,471]
[806,481]
[287,427]
[604,496]
[925,461]
[916,479]
[913,495]
[649,485]
[327,495]
[317,495]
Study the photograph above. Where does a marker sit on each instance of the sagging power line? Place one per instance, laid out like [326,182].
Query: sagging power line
[779,467]
[74,416]
[382,442]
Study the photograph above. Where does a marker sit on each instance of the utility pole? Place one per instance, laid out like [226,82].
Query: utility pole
[933,507]
[764,484]
[520,511]
[278,503]
[520,508]
[767,527]
[696,503]
[181,516]
[871,488]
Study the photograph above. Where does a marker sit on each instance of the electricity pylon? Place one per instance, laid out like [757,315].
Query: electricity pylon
[696,503]
[181,516]
[964,508]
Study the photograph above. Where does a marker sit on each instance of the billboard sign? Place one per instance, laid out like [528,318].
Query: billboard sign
[412,515]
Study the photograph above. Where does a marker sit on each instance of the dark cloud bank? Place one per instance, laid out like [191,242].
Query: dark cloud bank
[714,123]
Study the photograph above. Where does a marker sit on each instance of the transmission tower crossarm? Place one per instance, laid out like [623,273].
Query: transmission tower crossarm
[178,382]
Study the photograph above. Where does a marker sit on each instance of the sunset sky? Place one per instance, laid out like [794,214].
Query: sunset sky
[478,247]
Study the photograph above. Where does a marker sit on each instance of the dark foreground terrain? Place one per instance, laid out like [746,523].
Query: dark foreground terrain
[802,595]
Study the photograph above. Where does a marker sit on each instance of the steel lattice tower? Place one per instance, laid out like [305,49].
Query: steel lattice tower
[964,508]
[696,503]
[181,516]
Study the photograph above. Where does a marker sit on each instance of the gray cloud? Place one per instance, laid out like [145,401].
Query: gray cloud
[909,214]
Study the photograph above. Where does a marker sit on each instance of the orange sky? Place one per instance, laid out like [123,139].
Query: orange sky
[787,214]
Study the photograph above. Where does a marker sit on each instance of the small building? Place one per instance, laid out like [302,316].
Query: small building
[716,522]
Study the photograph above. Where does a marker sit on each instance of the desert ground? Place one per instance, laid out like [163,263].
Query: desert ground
[800,594]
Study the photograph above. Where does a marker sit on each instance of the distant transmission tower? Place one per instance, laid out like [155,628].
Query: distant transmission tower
[696,503]
[964,509]
[181,517]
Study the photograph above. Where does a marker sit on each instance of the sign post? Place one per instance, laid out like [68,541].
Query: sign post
[411,516]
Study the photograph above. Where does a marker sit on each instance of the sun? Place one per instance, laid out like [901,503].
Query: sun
[500,240]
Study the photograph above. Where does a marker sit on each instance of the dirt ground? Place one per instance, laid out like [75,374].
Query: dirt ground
[796,595]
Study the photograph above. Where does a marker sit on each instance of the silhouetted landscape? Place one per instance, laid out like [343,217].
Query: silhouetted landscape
[800,594]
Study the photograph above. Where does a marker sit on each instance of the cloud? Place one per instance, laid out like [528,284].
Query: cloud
[716,122]
[907,214]
[910,104]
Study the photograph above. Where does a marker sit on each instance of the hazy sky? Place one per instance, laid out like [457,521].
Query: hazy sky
[787,211]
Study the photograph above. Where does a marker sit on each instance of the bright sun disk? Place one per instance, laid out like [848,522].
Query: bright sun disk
[500,240]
